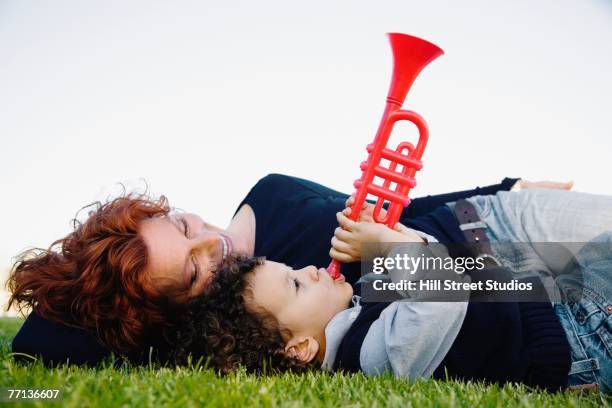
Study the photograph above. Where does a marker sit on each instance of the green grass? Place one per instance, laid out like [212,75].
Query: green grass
[150,386]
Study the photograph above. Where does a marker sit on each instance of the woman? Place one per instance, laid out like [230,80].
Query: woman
[115,281]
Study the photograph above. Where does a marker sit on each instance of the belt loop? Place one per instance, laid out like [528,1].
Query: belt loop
[581,366]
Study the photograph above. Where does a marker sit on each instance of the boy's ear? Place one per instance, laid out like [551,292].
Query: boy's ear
[304,349]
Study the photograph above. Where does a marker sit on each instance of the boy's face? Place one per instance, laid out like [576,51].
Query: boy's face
[303,301]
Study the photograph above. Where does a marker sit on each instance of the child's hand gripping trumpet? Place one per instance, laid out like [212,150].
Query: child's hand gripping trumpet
[350,235]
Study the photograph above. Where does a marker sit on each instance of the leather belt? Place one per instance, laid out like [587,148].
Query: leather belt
[474,231]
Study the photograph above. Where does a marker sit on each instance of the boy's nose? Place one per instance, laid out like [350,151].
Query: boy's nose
[314,273]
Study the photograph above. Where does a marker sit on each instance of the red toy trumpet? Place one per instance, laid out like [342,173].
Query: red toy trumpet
[410,55]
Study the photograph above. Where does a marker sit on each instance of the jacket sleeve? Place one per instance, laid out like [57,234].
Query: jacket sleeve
[424,205]
[411,339]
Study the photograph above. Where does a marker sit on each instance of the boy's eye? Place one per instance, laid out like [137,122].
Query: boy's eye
[296,283]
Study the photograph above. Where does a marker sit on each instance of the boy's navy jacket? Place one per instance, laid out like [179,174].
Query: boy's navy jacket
[295,220]
[491,341]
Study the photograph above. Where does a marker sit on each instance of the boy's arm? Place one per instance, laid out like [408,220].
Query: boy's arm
[423,205]
[411,339]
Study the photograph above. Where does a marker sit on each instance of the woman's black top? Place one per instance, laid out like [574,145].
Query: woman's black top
[295,220]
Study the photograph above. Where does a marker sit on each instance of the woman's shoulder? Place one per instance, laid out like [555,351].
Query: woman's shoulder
[274,180]
[267,188]
[275,183]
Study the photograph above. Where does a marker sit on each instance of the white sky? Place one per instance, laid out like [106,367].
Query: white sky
[202,98]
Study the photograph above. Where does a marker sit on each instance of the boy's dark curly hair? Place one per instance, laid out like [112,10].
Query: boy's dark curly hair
[223,328]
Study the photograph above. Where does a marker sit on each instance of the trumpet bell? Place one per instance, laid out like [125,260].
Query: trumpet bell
[410,55]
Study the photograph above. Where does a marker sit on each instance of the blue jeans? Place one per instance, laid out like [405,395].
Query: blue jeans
[534,216]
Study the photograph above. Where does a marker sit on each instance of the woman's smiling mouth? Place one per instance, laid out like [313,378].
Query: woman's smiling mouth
[226,244]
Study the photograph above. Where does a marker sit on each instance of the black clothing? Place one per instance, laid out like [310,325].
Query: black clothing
[509,341]
[498,342]
[56,343]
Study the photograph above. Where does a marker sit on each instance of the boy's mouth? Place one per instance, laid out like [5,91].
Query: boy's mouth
[339,280]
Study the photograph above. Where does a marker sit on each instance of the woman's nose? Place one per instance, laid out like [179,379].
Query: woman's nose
[206,239]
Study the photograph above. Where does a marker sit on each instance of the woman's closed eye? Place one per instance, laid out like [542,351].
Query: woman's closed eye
[196,271]
[186,229]
[196,268]
[296,283]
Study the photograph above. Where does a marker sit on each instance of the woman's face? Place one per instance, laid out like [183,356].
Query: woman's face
[183,251]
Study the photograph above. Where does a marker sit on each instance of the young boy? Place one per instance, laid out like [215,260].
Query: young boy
[264,315]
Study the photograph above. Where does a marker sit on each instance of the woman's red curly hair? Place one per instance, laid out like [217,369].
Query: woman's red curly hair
[95,278]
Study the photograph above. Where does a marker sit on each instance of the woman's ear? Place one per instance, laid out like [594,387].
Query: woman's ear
[304,349]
